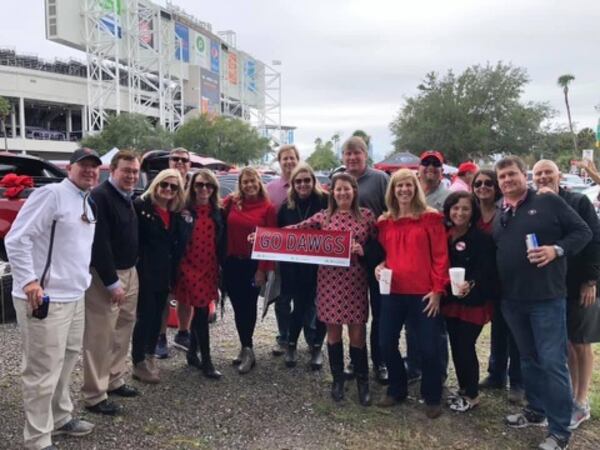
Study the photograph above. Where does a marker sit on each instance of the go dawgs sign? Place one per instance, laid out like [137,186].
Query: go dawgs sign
[330,248]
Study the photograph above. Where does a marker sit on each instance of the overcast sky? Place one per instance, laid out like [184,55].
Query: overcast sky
[348,64]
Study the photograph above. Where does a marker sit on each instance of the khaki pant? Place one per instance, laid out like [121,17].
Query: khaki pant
[107,336]
[50,350]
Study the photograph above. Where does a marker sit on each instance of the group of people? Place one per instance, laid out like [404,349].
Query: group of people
[114,262]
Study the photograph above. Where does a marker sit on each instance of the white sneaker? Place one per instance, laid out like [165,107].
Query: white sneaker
[580,414]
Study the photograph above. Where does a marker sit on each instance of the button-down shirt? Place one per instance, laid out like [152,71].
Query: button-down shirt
[278,191]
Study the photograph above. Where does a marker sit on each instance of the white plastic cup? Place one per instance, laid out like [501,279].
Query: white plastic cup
[457,278]
[385,281]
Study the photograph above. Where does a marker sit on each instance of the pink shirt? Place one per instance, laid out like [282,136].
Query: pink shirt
[278,190]
[459,185]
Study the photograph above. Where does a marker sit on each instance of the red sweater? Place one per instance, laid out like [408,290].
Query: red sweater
[417,252]
[242,222]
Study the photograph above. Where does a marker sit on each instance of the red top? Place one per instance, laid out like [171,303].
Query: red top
[243,221]
[417,252]
[164,215]
[486,227]
[198,278]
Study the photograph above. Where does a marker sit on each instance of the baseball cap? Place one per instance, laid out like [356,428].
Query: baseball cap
[432,154]
[468,167]
[85,153]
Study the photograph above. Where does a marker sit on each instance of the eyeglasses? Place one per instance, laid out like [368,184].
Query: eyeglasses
[88,215]
[165,185]
[486,183]
[207,186]
[178,159]
[431,162]
[299,181]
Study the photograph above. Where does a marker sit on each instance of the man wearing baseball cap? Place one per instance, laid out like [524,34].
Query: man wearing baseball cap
[49,248]
[431,171]
[464,177]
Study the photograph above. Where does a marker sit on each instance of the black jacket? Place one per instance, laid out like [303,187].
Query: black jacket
[584,266]
[298,277]
[475,252]
[554,223]
[158,258]
[116,238]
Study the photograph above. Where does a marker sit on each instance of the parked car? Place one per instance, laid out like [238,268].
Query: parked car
[573,183]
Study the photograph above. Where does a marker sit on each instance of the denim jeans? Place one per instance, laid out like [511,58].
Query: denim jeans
[395,311]
[540,330]
[413,351]
[504,352]
[283,314]
[375,301]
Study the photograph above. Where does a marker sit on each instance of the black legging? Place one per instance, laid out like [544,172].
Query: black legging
[239,276]
[304,306]
[463,337]
[200,338]
[150,307]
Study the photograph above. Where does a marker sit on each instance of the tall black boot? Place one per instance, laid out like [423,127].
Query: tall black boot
[192,351]
[336,363]
[361,370]
[202,334]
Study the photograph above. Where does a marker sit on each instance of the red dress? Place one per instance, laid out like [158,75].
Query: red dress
[342,291]
[197,283]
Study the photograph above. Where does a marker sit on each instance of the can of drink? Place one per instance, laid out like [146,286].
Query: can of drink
[531,241]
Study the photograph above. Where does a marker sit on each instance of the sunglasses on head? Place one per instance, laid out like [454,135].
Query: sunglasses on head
[486,183]
[300,181]
[431,162]
[201,185]
[179,159]
[166,184]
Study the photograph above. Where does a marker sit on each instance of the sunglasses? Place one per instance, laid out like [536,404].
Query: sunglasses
[431,162]
[299,181]
[486,183]
[167,185]
[88,215]
[178,159]
[200,185]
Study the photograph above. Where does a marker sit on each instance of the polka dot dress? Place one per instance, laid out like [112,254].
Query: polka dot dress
[198,272]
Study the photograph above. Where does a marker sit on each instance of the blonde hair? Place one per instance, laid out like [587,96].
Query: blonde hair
[332,205]
[238,195]
[418,204]
[292,197]
[175,204]
[190,193]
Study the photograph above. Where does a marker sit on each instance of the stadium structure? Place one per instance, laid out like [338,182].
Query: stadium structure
[139,57]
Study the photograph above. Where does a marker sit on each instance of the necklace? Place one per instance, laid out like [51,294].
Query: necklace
[303,215]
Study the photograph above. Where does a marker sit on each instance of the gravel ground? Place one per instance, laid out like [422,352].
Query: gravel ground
[271,408]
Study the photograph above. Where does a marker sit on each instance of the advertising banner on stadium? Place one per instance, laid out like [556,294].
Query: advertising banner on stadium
[146,33]
[210,94]
[201,50]
[214,56]
[111,21]
[329,248]
[182,42]
[232,68]
[250,75]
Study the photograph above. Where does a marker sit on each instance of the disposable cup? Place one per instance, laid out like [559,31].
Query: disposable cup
[385,281]
[457,278]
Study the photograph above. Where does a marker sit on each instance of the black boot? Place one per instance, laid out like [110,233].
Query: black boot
[203,338]
[336,363]
[193,360]
[209,370]
[316,358]
[291,355]
[361,370]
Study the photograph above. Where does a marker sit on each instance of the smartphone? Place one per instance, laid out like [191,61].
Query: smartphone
[41,312]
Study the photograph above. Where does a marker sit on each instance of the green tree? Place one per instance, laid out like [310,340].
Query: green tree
[586,138]
[5,108]
[323,157]
[228,139]
[563,82]
[134,131]
[365,137]
[471,115]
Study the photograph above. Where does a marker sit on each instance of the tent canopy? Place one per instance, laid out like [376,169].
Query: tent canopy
[401,160]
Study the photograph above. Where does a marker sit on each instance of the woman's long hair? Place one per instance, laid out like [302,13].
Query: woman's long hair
[292,196]
[418,204]
[492,176]
[190,195]
[238,194]
[176,204]
[332,205]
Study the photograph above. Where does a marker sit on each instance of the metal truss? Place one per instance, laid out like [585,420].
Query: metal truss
[268,118]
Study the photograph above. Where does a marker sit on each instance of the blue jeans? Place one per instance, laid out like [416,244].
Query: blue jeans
[413,351]
[504,353]
[395,311]
[540,330]
[283,314]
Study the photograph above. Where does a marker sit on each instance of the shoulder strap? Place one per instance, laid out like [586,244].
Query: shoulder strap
[49,259]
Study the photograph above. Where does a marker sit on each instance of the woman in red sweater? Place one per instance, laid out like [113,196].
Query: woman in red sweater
[414,239]
[247,208]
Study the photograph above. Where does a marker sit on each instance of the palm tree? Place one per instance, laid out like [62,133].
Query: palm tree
[564,81]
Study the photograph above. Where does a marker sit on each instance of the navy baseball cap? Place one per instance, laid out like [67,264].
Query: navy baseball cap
[85,153]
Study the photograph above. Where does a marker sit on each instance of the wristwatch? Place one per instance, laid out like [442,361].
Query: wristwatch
[559,251]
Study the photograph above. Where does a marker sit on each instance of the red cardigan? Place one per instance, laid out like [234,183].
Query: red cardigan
[242,222]
[417,252]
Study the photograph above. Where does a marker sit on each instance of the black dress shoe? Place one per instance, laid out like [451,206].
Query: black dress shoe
[105,407]
[209,371]
[193,360]
[125,391]
[316,358]
[381,374]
